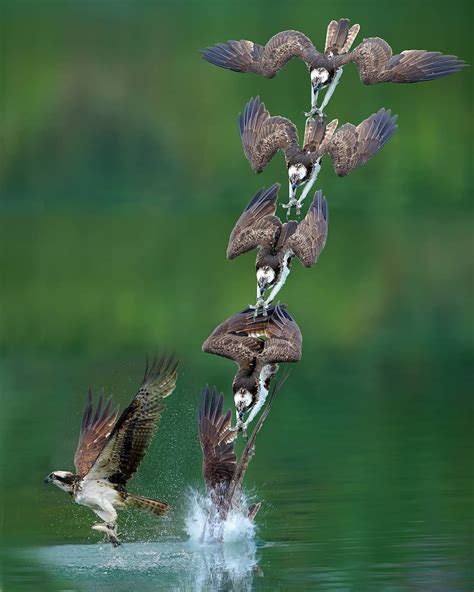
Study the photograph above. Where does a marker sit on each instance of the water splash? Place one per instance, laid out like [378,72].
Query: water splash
[201,529]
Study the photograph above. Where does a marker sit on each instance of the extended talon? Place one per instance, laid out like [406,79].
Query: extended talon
[314,111]
[291,204]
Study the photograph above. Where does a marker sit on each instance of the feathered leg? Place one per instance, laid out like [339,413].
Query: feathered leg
[308,186]
[330,91]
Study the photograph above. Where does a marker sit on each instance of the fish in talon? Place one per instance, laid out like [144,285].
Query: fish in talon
[349,146]
[278,243]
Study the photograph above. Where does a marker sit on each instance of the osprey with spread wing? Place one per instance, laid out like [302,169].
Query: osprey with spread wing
[349,147]
[257,344]
[223,474]
[373,57]
[110,450]
[277,243]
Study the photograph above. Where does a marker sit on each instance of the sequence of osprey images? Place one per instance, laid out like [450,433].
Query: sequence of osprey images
[263,335]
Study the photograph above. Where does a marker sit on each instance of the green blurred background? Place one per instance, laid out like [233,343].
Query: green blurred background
[121,176]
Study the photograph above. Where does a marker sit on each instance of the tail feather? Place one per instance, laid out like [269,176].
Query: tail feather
[147,504]
[339,37]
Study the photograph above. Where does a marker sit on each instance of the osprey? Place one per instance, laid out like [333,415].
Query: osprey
[110,450]
[223,475]
[257,345]
[373,57]
[349,147]
[278,243]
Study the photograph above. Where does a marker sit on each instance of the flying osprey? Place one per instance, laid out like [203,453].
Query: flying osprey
[110,450]
[257,345]
[349,147]
[278,243]
[222,474]
[373,57]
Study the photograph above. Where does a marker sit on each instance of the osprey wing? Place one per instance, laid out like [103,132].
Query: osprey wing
[247,56]
[236,339]
[262,135]
[134,430]
[309,239]
[257,225]
[353,146]
[284,341]
[216,438]
[96,427]
[376,63]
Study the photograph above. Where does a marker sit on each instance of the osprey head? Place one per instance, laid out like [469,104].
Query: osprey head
[297,174]
[319,78]
[244,397]
[63,479]
[265,277]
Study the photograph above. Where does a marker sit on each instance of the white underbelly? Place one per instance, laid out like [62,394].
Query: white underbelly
[97,495]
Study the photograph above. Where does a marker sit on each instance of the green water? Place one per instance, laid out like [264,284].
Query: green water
[121,177]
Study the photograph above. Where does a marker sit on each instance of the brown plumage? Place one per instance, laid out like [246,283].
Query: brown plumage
[216,438]
[373,56]
[132,434]
[109,451]
[349,147]
[95,431]
[223,476]
[277,243]
[257,345]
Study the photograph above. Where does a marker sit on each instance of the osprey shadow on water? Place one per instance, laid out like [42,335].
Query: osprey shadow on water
[223,475]
[349,147]
[257,344]
[277,243]
[373,57]
[110,450]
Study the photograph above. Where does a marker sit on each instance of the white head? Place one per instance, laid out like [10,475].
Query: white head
[319,77]
[63,479]
[265,277]
[243,400]
[297,174]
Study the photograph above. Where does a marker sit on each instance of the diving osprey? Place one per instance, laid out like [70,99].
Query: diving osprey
[223,475]
[373,57]
[110,450]
[278,243]
[257,345]
[349,147]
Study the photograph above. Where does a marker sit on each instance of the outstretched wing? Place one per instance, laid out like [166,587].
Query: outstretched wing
[237,338]
[257,225]
[376,63]
[353,146]
[216,437]
[246,56]
[309,239]
[134,430]
[262,135]
[284,341]
[95,431]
